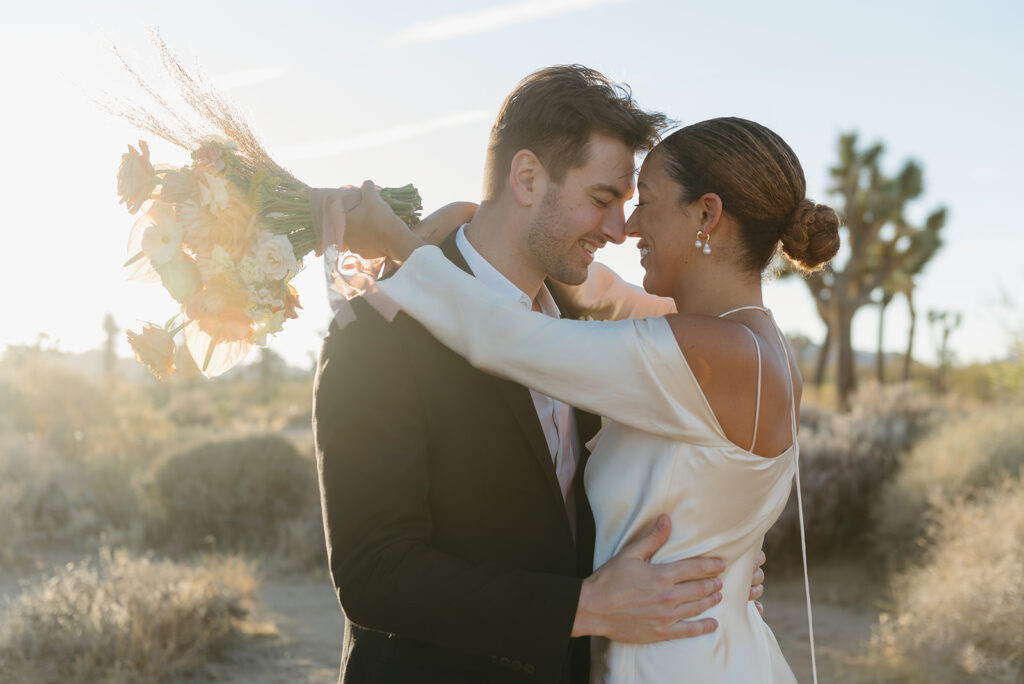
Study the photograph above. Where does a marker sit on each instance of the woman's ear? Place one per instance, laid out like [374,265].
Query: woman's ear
[526,175]
[710,207]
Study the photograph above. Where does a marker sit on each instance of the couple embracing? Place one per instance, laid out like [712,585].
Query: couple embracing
[482,525]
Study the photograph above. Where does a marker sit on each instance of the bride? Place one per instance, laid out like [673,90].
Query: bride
[694,375]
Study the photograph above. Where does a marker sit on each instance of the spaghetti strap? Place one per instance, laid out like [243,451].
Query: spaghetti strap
[757,402]
[757,346]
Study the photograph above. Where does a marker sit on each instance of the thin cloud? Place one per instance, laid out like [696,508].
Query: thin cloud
[329,148]
[248,77]
[489,19]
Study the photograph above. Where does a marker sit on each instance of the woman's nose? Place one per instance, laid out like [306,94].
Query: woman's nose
[631,227]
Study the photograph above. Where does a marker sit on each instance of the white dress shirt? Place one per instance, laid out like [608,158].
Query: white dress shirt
[556,417]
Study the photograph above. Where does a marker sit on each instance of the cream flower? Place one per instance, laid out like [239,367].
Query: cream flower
[250,271]
[264,296]
[271,326]
[196,223]
[213,193]
[180,277]
[177,186]
[136,178]
[161,240]
[216,264]
[276,258]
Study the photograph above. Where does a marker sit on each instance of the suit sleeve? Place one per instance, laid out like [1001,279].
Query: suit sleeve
[605,296]
[631,371]
[373,459]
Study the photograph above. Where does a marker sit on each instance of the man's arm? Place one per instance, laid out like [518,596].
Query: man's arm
[374,482]
[605,296]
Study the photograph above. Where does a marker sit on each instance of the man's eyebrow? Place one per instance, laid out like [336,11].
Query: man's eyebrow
[610,189]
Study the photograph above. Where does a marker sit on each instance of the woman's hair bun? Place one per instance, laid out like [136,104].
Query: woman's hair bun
[812,236]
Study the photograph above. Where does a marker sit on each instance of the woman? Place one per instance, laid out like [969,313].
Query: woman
[702,401]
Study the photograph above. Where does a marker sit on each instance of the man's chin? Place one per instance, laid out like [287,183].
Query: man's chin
[567,276]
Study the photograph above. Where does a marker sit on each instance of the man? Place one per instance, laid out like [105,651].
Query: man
[459,536]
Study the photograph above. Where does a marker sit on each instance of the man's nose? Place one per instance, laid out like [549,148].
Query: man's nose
[614,229]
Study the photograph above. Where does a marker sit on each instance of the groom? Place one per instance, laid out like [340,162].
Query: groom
[459,535]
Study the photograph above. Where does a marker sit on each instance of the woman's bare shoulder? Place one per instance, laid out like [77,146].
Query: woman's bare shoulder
[724,359]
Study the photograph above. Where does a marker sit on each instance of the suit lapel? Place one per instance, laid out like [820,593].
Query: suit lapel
[519,400]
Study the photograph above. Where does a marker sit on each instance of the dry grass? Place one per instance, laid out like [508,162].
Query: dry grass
[123,619]
[959,617]
[957,460]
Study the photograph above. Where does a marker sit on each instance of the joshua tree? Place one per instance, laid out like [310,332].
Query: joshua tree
[943,324]
[923,244]
[878,243]
[113,331]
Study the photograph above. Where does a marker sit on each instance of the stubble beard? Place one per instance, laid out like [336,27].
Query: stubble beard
[545,241]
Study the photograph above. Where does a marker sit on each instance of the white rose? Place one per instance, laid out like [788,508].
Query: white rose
[276,258]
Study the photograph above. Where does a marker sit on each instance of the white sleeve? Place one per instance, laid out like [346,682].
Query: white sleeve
[631,371]
[605,296]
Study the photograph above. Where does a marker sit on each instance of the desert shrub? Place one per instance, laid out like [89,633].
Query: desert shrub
[45,498]
[956,460]
[844,460]
[123,619]
[959,617]
[35,498]
[233,494]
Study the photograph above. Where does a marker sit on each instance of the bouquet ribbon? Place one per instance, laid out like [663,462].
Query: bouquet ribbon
[348,275]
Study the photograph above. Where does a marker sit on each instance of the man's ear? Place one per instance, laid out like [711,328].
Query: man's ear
[526,178]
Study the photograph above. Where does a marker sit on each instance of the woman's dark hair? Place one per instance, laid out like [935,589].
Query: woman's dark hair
[554,111]
[761,184]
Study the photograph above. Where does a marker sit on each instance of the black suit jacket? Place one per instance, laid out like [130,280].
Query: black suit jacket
[447,537]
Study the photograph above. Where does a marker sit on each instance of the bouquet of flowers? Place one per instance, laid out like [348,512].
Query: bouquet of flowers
[225,235]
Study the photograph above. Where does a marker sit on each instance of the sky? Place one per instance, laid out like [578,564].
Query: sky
[406,92]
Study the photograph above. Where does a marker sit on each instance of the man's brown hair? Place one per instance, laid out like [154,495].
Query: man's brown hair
[554,111]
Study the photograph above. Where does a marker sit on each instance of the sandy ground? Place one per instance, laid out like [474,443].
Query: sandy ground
[295,633]
[309,629]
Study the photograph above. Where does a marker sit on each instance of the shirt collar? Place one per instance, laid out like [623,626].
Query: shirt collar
[494,279]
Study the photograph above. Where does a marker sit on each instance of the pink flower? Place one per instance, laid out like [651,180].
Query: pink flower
[219,309]
[136,179]
[154,348]
[211,157]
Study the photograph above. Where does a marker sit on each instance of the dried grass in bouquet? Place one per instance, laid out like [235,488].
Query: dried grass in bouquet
[226,234]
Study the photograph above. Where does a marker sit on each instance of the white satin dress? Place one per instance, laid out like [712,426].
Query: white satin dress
[662,451]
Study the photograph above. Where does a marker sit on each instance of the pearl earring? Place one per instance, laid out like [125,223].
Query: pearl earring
[703,242]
